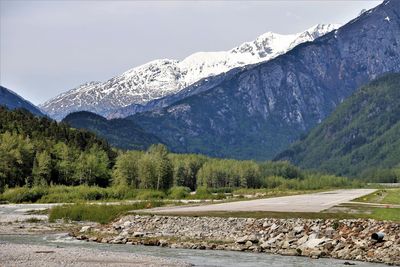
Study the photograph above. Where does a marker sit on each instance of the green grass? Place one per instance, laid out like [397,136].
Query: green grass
[73,194]
[381,214]
[386,214]
[100,213]
[393,197]
[383,196]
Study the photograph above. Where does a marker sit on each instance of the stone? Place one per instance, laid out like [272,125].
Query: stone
[241,240]
[302,240]
[248,243]
[138,234]
[85,229]
[313,243]
[298,229]
[127,224]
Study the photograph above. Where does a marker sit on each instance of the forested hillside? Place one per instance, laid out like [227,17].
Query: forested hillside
[38,151]
[121,133]
[361,138]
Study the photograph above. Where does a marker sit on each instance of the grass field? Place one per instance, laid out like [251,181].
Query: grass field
[383,196]
[391,214]
[100,213]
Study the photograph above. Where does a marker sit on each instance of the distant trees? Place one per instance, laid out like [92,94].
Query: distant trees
[229,173]
[186,168]
[40,152]
[150,170]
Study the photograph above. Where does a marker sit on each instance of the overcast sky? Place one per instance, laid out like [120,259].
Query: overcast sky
[48,47]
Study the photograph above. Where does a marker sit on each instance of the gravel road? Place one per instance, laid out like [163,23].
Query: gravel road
[315,202]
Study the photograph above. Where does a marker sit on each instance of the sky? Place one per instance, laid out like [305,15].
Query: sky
[49,47]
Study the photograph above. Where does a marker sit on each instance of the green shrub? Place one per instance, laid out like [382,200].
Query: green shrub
[150,194]
[202,192]
[100,213]
[178,192]
[24,194]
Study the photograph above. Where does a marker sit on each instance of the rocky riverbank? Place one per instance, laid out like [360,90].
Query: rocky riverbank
[50,256]
[341,239]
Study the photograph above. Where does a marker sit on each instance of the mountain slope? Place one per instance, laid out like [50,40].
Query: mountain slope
[363,133]
[11,100]
[120,133]
[260,110]
[164,77]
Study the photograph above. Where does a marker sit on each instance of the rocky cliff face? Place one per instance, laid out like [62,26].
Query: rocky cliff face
[258,111]
[165,77]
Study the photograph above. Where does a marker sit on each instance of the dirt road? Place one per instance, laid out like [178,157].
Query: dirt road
[315,202]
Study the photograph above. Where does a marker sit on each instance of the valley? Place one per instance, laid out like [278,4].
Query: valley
[282,151]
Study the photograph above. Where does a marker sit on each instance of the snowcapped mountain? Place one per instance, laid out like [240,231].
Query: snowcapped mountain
[163,77]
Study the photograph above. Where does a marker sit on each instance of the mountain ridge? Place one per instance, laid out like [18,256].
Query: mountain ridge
[164,77]
[120,133]
[260,110]
[12,100]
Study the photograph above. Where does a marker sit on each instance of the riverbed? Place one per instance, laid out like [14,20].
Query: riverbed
[203,258]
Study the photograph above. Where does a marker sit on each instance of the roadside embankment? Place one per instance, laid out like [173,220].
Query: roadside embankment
[341,239]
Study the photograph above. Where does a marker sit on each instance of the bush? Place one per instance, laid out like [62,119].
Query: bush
[178,192]
[24,194]
[150,194]
[100,213]
[202,192]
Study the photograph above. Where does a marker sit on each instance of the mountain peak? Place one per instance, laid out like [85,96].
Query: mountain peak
[163,77]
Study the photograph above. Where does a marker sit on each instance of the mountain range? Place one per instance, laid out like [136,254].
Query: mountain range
[12,100]
[360,136]
[257,111]
[165,77]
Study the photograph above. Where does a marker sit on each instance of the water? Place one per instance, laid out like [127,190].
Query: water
[203,258]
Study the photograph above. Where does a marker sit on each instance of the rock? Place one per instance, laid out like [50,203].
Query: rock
[163,243]
[315,254]
[298,229]
[138,234]
[241,240]
[85,229]
[313,243]
[248,243]
[127,224]
[289,252]
[302,240]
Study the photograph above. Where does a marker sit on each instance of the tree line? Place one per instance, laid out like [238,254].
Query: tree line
[40,152]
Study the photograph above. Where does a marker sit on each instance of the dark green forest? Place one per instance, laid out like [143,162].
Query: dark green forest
[361,138]
[120,133]
[38,152]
